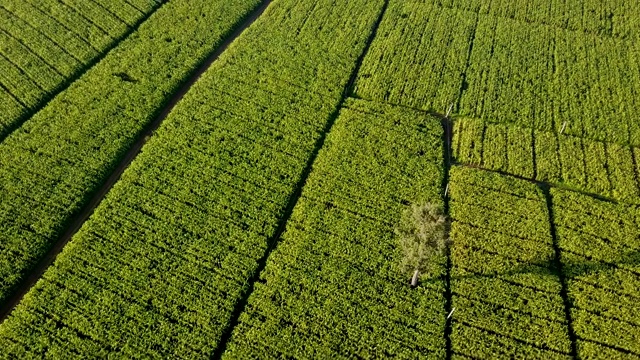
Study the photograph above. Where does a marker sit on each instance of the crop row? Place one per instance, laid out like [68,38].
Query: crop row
[544,78]
[504,280]
[44,44]
[332,287]
[600,247]
[606,169]
[160,266]
[418,57]
[52,164]
[505,70]
[617,18]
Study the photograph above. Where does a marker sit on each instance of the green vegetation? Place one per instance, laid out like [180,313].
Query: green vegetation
[608,18]
[541,77]
[44,44]
[505,286]
[419,56]
[331,288]
[601,168]
[169,252]
[502,62]
[281,206]
[52,164]
[600,245]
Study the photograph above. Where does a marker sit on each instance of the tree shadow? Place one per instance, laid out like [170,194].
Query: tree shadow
[569,268]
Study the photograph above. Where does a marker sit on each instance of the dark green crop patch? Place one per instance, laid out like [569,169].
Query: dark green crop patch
[159,268]
[504,282]
[333,286]
[600,252]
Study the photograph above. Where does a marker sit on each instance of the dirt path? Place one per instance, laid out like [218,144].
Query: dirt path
[79,219]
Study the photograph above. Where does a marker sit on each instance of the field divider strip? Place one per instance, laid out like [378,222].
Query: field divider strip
[15,125]
[447,140]
[564,291]
[463,83]
[542,183]
[296,195]
[84,214]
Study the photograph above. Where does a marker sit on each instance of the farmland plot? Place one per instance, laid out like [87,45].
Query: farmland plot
[159,267]
[51,165]
[505,282]
[419,56]
[600,247]
[612,18]
[546,78]
[332,288]
[606,169]
[491,63]
[44,44]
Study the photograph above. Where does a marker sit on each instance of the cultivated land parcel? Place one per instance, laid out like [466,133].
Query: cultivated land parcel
[222,179]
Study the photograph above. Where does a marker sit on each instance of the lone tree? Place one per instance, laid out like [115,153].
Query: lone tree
[422,235]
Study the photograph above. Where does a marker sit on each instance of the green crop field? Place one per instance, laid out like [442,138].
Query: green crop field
[320,179]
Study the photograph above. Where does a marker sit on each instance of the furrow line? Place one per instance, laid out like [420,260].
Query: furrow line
[77,222]
[564,292]
[295,196]
[17,123]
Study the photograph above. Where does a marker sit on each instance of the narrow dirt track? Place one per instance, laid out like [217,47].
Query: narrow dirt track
[79,219]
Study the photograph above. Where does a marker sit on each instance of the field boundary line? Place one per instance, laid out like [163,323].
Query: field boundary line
[464,85]
[78,220]
[564,290]
[76,75]
[447,140]
[295,196]
[544,183]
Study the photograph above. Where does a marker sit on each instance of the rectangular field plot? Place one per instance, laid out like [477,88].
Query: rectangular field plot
[45,44]
[541,77]
[418,57]
[600,253]
[505,284]
[605,169]
[495,64]
[332,288]
[607,18]
[160,266]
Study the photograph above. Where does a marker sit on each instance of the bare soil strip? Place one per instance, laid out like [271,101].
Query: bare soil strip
[77,222]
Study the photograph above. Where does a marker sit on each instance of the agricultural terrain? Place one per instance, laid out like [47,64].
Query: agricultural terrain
[217,179]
